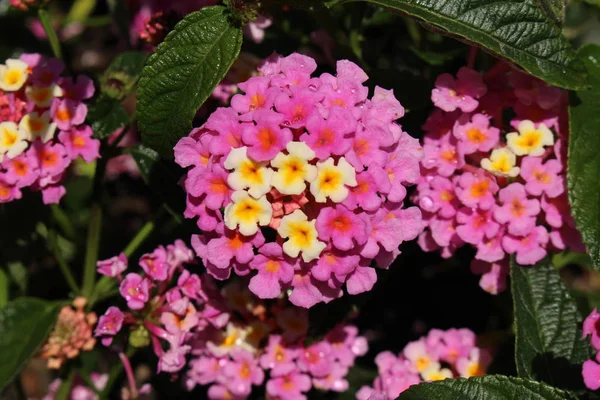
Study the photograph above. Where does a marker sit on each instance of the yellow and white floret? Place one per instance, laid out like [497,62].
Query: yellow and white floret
[35,125]
[529,140]
[501,162]
[293,169]
[331,180]
[42,96]
[302,236]
[12,140]
[247,173]
[13,75]
[435,373]
[247,213]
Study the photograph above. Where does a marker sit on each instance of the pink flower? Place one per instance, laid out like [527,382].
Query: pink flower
[346,345]
[295,70]
[591,373]
[542,178]
[289,386]
[109,325]
[256,29]
[176,323]
[439,198]
[225,122]
[316,359]
[79,142]
[135,290]
[206,369]
[266,139]
[475,225]
[529,249]
[77,89]
[257,95]
[334,263]
[476,135]
[493,275]
[190,284]
[517,211]
[342,227]
[329,136]
[279,357]
[274,269]
[173,360]
[401,170]
[364,194]
[112,267]
[209,182]
[68,113]
[242,373]
[190,151]
[591,327]
[232,245]
[361,280]
[23,169]
[155,264]
[44,71]
[443,155]
[366,149]
[477,190]
[490,249]
[450,94]
[392,225]
[51,158]
[335,381]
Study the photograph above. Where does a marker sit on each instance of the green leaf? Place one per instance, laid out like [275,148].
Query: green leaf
[106,115]
[549,346]
[120,77]
[555,9]
[517,30]
[4,287]
[130,62]
[490,387]
[160,175]
[24,325]
[182,73]
[583,161]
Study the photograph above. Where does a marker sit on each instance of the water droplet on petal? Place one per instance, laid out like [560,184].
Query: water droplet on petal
[426,203]
[312,88]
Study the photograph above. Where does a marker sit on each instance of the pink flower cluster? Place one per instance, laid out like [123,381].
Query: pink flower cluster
[437,356]
[228,338]
[496,185]
[591,368]
[307,172]
[42,128]
[79,390]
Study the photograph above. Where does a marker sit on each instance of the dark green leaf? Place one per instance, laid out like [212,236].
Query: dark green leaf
[4,287]
[24,325]
[130,62]
[583,160]
[106,115]
[549,346]
[490,387]
[162,177]
[555,9]
[183,72]
[517,30]
[120,77]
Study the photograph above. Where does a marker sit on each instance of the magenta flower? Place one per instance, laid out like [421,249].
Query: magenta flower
[232,245]
[517,211]
[402,169]
[335,381]
[77,89]
[443,155]
[316,359]
[591,373]
[591,327]
[295,70]
[51,158]
[334,263]
[279,357]
[79,142]
[342,227]
[211,183]
[112,267]
[225,122]
[266,139]
[361,280]
[155,264]
[476,134]
[392,225]
[475,225]
[542,178]
[289,386]
[135,290]
[189,284]
[23,169]
[439,198]
[328,137]
[364,194]
[297,109]
[346,345]
[193,152]
[493,275]
[257,95]
[490,249]
[529,249]
[44,71]
[176,322]
[462,93]
[477,190]
[68,113]
[109,325]
[366,149]
[173,360]
[274,269]
[242,373]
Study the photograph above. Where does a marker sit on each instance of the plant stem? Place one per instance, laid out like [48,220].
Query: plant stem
[129,374]
[144,233]
[62,264]
[114,373]
[65,387]
[63,221]
[46,22]
[94,231]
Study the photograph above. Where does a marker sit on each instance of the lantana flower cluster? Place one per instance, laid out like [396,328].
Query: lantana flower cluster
[437,356]
[79,390]
[499,187]
[301,182]
[591,368]
[228,338]
[42,128]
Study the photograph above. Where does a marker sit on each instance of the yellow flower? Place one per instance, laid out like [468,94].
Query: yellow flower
[331,180]
[35,125]
[12,140]
[42,96]
[293,169]
[247,213]
[529,140]
[501,162]
[13,75]
[435,373]
[248,174]
[302,236]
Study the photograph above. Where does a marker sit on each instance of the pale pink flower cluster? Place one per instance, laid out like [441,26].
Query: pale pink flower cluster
[437,356]
[590,369]
[42,128]
[79,390]
[228,338]
[497,185]
[307,172]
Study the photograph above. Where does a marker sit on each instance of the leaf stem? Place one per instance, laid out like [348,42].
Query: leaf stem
[144,233]
[114,373]
[62,263]
[46,22]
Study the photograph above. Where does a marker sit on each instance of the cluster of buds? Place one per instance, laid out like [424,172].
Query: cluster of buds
[226,338]
[42,127]
[437,356]
[307,172]
[71,334]
[496,185]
